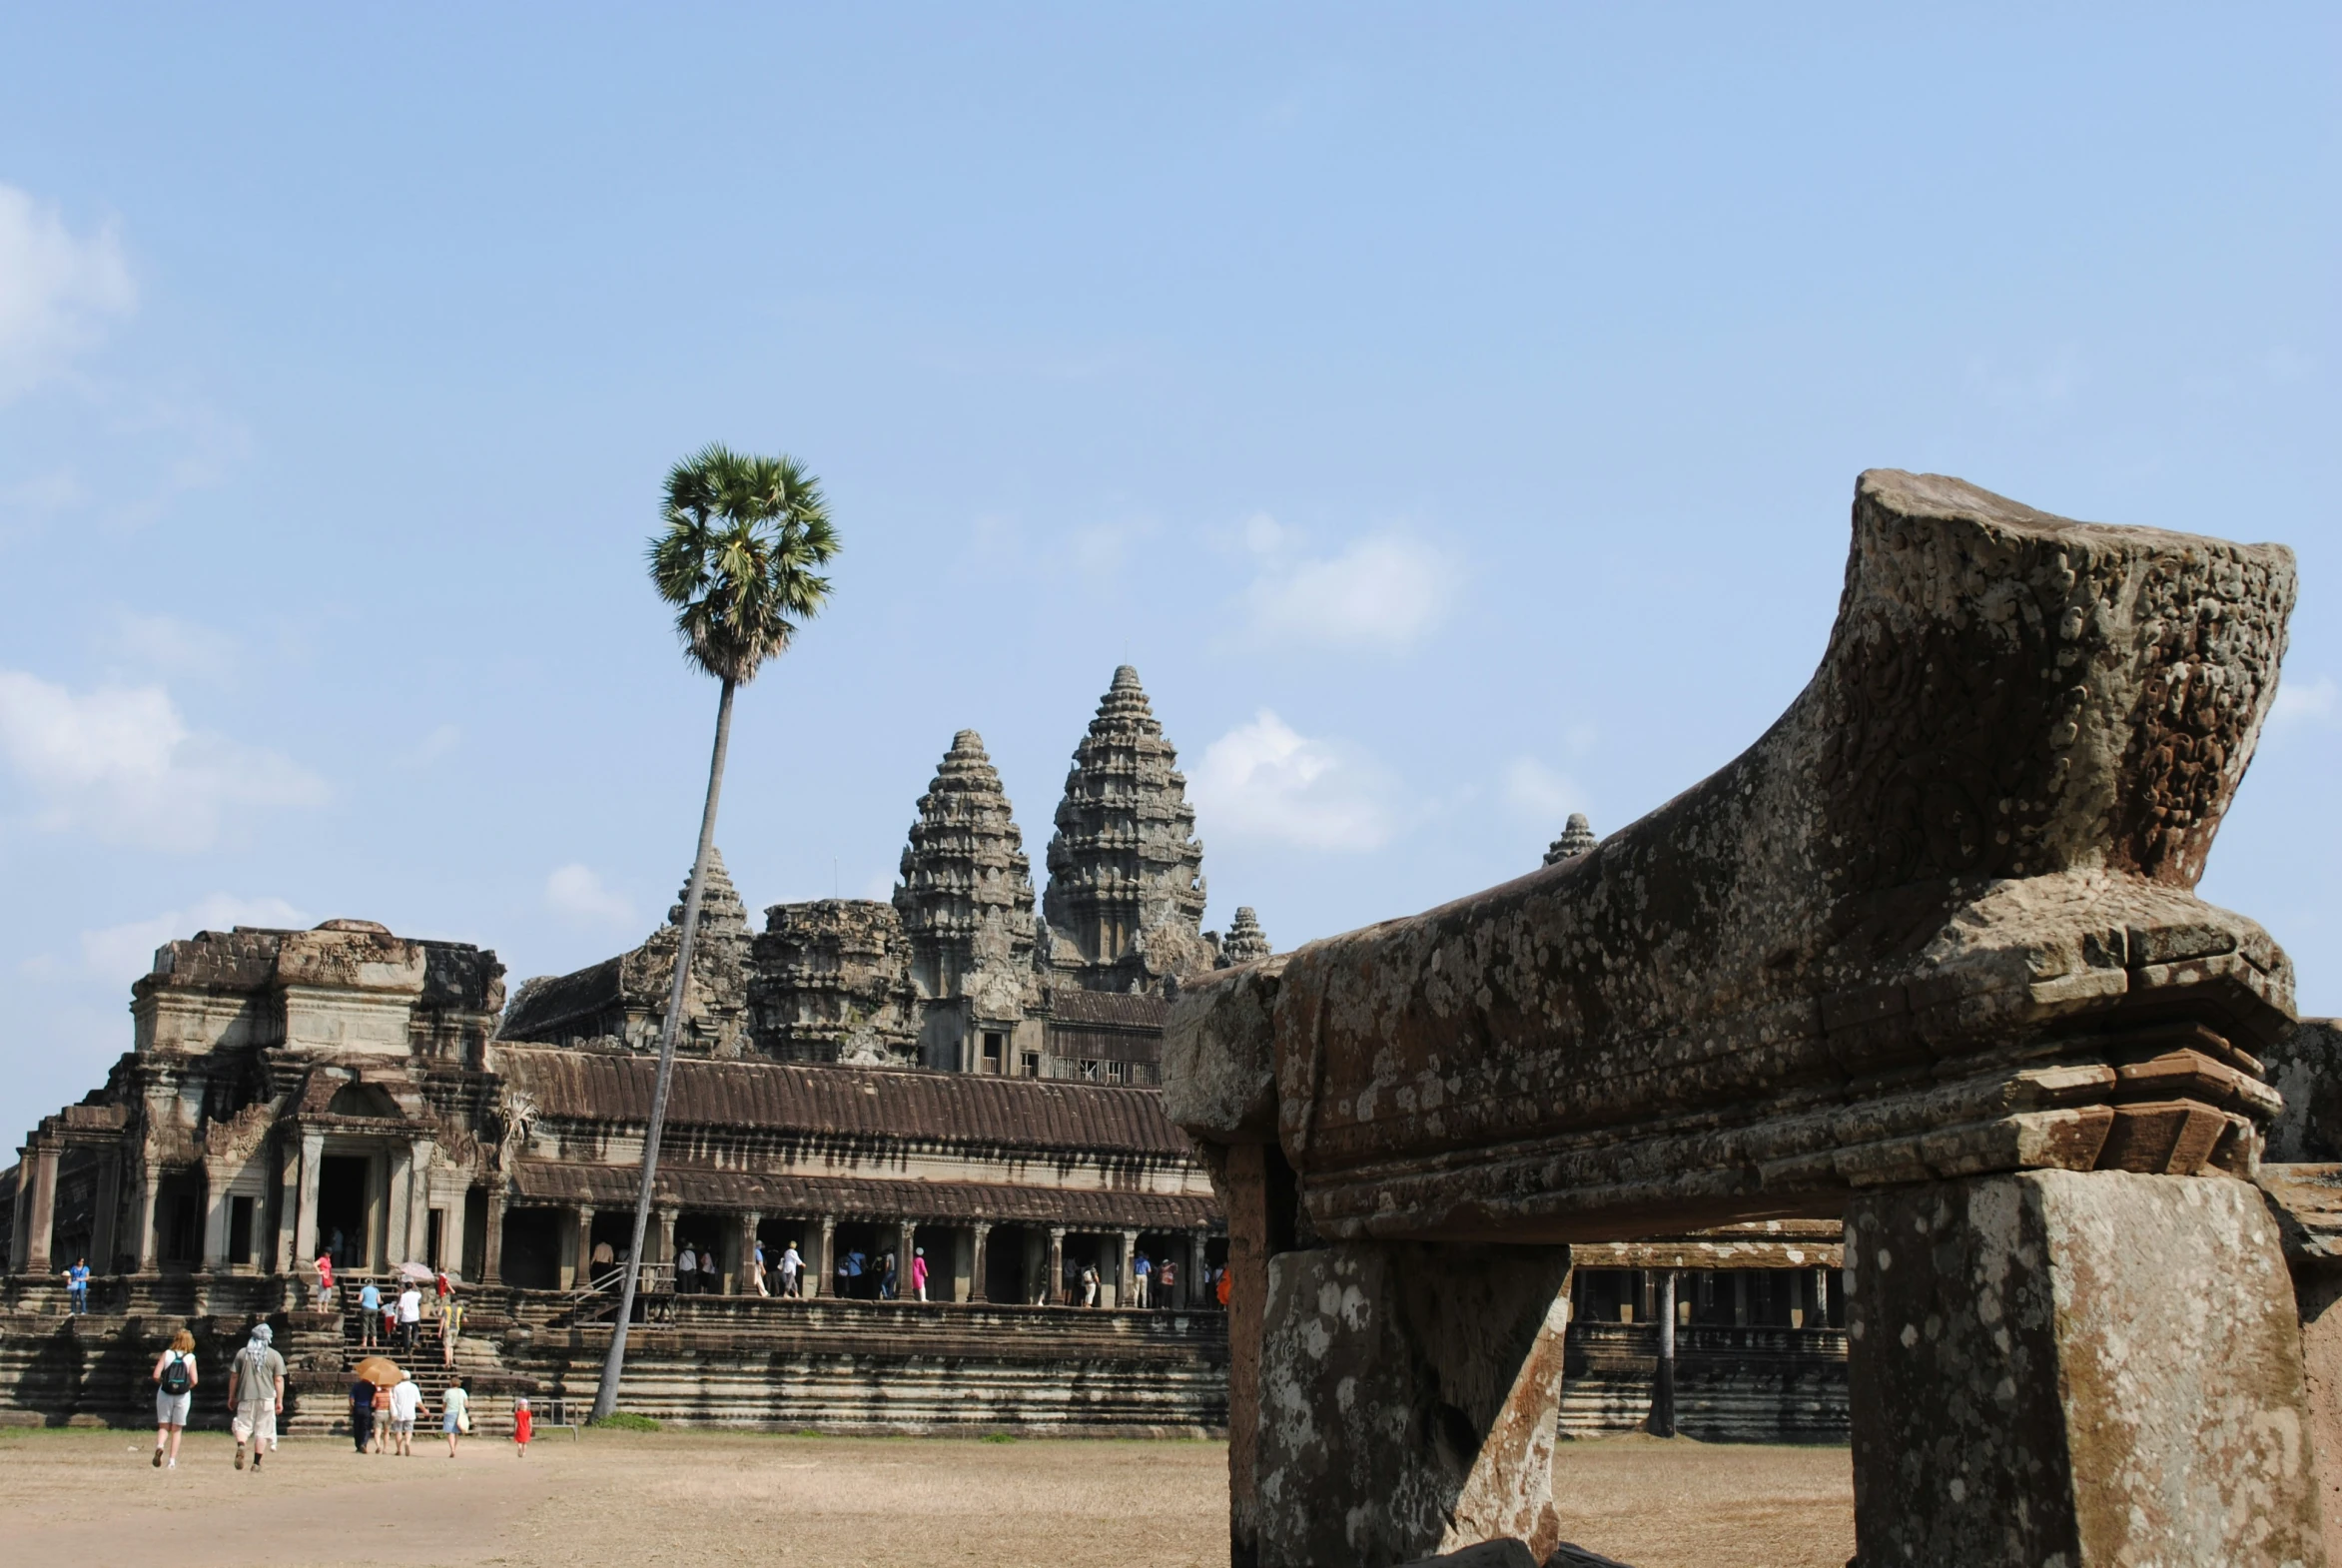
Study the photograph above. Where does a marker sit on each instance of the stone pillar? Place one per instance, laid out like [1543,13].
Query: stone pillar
[1663,1378]
[2317,1295]
[661,1241]
[142,1218]
[744,1275]
[1819,1317]
[1408,1399]
[399,1206]
[1740,1298]
[418,1198]
[1057,1264]
[905,1238]
[216,1208]
[1126,1274]
[824,1262]
[1194,1290]
[979,1266]
[583,1278]
[40,1208]
[304,1223]
[2090,1368]
[492,1251]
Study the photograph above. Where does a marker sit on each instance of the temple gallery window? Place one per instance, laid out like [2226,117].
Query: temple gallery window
[993,1048]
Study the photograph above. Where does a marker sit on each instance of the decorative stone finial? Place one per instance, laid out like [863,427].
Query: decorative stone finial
[1577,837]
[720,909]
[1245,941]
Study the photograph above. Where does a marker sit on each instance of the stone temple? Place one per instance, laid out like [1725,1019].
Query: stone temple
[965,1068]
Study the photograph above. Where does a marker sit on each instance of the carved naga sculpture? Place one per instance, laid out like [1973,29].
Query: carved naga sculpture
[1937,926]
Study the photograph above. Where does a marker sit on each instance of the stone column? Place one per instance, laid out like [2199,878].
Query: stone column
[1057,1264]
[906,1237]
[744,1275]
[824,1261]
[583,1278]
[1409,1395]
[1126,1277]
[492,1251]
[2092,1368]
[418,1198]
[1663,1378]
[1819,1317]
[281,1237]
[1193,1289]
[1740,1298]
[304,1223]
[216,1207]
[141,1217]
[661,1241]
[398,1207]
[980,1266]
[40,1206]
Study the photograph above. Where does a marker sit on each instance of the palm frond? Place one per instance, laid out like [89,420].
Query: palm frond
[737,557]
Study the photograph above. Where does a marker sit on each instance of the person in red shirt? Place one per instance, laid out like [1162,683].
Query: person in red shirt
[523,1424]
[324,1279]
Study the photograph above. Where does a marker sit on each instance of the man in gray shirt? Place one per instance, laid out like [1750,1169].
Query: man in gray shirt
[256,1395]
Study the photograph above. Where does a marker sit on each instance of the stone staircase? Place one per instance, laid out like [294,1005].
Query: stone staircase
[336,1345]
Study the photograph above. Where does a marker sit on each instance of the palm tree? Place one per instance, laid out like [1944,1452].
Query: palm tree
[737,557]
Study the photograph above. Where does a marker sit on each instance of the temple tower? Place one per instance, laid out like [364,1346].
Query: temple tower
[1245,941]
[1577,837]
[966,896]
[966,901]
[1124,905]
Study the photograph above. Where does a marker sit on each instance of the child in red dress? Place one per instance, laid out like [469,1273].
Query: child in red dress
[522,1422]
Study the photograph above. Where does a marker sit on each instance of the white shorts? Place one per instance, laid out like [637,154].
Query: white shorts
[171,1410]
[250,1428]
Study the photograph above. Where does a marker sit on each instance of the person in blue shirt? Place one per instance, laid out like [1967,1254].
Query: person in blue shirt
[369,1313]
[77,1287]
[1141,1281]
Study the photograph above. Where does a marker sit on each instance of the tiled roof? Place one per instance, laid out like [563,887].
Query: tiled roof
[1040,1113]
[1116,1009]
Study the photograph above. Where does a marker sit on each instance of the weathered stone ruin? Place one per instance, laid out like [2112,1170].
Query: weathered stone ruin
[1927,959]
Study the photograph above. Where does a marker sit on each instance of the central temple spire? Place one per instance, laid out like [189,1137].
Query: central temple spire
[1124,905]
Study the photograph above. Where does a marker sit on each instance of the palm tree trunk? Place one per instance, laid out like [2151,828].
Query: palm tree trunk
[605,1398]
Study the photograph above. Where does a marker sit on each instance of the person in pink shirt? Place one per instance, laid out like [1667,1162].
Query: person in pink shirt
[919,1272]
[324,1279]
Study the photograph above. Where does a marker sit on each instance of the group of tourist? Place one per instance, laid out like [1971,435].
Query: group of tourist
[398,1319]
[859,1276]
[383,1417]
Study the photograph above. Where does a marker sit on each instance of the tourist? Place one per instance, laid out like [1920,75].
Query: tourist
[792,1264]
[370,1308]
[456,1412]
[850,1276]
[256,1395]
[1088,1284]
[174,1393]
[712,1271]
[1166,1284]
[382,1428]
[1141,1275]
[523,1424]
[1220,1286]
[605,1262]
[362,1414]
[77,1288]
[389,1320]
[406,1405]
[919,1272]
[888,1289]
[325,1266]
[450,1325]
[756,1269]
[410,1316]
[686,1271]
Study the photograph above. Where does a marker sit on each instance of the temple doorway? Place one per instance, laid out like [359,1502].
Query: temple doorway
[1007,1275]
[532,1249]
[343,1232]
[855,1254]
[1161,1249]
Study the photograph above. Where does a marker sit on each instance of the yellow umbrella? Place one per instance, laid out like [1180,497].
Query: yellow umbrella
[380,1371]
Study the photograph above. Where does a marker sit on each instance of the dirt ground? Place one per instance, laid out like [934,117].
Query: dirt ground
[704,1500]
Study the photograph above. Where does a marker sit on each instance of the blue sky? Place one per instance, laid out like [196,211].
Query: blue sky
[1451,412]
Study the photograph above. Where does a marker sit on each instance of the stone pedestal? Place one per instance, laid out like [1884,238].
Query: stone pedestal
[1407,1401]
[2081,1368]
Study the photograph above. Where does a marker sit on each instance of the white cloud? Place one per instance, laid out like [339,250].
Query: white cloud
[121,763]
[57,289]
[1387,592]
[1539,792]
[433,747]
[123,953]
[576,894]
[2315,702]
[1262,780]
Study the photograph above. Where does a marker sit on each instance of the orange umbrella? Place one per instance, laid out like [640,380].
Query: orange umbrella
[380,1371]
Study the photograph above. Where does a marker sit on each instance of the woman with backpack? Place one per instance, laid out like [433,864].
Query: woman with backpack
[174,1392]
